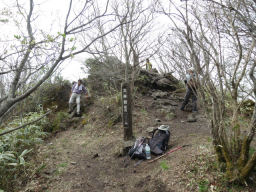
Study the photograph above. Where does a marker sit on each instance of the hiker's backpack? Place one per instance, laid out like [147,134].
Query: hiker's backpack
[159,141]
[138,149]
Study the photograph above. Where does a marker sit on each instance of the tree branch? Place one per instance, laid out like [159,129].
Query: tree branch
[22,126]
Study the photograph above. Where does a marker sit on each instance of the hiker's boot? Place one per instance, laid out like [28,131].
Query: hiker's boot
[194,112]
[194,108]
[70,108]
[182,108]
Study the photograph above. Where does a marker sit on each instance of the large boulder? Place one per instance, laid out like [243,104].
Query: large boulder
[159,94]
[150,80]
[163,82]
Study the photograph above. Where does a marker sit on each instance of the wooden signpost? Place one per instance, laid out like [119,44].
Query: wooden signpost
[127,111]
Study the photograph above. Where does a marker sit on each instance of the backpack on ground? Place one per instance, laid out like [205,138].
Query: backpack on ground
[159,141]
[138,149]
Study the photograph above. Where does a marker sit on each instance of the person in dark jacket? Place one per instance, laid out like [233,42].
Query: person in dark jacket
[190,82]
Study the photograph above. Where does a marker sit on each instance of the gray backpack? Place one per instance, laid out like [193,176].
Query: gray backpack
[138,149]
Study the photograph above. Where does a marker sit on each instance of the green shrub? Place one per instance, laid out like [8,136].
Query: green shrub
[105,75]
[203,186]
[48,95]
[108,111]
[15,146]
[164,165]
[58,120]
[52,94]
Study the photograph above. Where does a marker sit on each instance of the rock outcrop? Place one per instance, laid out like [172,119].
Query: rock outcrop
[152,80]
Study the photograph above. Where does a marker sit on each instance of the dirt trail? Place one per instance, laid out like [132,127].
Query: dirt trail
[85,158]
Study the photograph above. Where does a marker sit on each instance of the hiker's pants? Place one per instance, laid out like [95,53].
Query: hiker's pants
[75,96]
[190,93]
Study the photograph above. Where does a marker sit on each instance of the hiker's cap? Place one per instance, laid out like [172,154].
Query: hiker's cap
[191,69]
[164,127]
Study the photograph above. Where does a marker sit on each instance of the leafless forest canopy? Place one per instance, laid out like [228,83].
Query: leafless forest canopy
[216,38]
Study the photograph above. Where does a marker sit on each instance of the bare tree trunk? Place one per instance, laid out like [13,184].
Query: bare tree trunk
[54,56]
[222,74]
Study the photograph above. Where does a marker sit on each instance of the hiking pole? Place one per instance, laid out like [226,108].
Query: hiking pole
[126,164]
[137,148]
[171,151]
[138,162]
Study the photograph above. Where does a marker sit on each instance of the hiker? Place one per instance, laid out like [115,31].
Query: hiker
[148,65]
[76,91]
[190,82]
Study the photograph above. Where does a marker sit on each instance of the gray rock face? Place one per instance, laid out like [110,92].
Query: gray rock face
[192,118]
[150,80]
[159,94]
[164,83]
[165,102]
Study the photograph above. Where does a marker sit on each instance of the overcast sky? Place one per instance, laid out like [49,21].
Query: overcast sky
[71,68]
[52,14]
